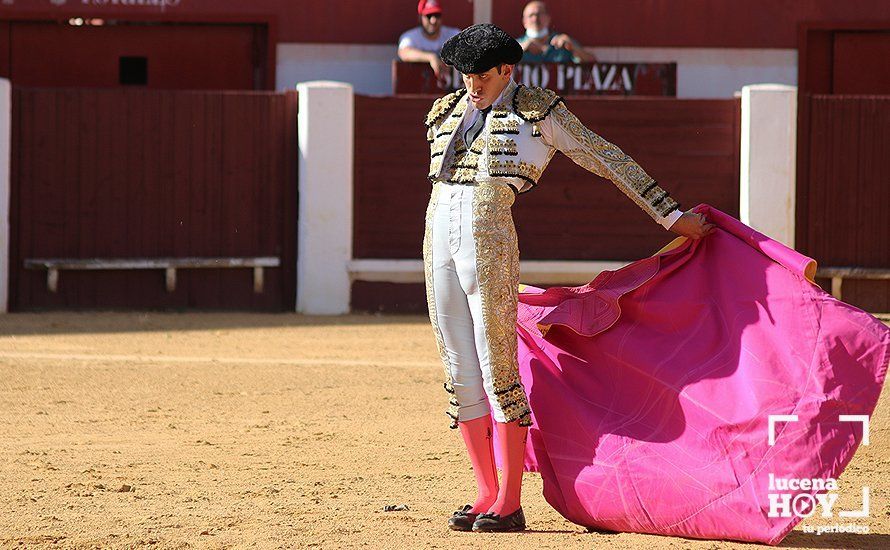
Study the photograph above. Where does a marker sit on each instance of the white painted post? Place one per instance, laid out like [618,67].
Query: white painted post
[769,159]
[481,11]
[324,226]
[5,159]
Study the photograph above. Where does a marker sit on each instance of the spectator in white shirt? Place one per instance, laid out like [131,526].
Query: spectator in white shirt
[422,43]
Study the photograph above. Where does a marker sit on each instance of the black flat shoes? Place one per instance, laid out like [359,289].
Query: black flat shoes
[488,523]
[462,520]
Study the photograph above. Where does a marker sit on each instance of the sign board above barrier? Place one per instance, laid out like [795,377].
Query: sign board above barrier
[658,79]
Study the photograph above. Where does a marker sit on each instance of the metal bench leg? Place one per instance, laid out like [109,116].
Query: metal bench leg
[836,283]
[52,279]
[258,280]
[171,279]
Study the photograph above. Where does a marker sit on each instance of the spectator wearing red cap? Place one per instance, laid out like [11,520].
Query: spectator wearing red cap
[422,43]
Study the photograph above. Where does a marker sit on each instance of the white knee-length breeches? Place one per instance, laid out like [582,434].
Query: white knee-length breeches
[471,261]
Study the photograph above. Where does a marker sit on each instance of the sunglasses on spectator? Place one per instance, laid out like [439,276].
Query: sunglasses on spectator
[432,15]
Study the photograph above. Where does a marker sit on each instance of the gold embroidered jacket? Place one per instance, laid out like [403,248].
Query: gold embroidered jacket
[524,129]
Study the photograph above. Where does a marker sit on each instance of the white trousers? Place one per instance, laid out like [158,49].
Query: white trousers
[475,335]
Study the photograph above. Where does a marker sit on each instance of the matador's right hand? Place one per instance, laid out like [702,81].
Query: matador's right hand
[693,225]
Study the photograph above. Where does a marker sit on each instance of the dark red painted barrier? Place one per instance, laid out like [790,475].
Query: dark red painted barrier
[690,146]
[182,57]
[845,219]
[642,23]
[140,173]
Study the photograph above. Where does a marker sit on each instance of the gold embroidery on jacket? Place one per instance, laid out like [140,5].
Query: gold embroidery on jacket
[435,164]
[460,108]
[463,175]
[502,146]
[442,139]
[438,147]
[502,109]
[533,103]
[442,105]
[504,126]
[519,169]
[607,160]
[478,145]
[497,269]
[462,166]
[453,404]
[448,127]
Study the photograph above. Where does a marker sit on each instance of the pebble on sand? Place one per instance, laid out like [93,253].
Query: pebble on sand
[395,508]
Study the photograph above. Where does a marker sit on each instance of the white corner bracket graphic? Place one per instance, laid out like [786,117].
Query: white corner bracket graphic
[773,418]
[863,513]
[857,418]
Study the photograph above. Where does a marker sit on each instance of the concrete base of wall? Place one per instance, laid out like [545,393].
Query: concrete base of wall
[397,286]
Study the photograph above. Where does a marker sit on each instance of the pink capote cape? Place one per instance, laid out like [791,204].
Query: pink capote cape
[651,386]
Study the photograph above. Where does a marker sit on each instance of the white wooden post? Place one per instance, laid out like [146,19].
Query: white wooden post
[481,11]
[768,160]
[5,159]
[324,226]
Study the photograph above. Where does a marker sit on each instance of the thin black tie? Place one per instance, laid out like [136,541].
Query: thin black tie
[477,127]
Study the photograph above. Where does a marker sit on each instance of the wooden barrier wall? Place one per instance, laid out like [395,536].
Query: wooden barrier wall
[843,210]
[637,23]
[143,173]
[690,146]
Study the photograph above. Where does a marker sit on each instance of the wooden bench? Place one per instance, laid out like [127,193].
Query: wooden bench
[169,265]
[838,274]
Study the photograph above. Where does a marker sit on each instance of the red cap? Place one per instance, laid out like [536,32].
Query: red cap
[426,7]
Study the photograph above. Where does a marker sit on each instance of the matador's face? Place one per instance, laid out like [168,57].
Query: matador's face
[484,88]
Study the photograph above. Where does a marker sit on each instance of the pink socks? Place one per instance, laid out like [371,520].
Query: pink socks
[511,443]
[478,439]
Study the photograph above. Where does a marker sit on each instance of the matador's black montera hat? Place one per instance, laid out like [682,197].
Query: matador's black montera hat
[478,48]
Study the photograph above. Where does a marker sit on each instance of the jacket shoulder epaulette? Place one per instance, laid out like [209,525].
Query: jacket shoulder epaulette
[534,103]
[442,105]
